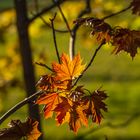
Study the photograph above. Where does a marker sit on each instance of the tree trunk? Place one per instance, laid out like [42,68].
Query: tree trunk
[26,55]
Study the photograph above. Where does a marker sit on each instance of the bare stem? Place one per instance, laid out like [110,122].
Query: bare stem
[44,65]
[19,105]
[90,62]
[48,25]
[54,38]
[46,9]
[75,28]
[117,13]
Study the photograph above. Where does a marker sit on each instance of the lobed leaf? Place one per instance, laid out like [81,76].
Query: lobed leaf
[93,105]
[18,130]
[50,101]
[68,69]
[126,40]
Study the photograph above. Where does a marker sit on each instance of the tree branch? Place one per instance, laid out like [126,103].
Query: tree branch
[48,25]
[43,65]
[46,10]
[117,13]
[19,105]
[90,62]
[75,28]
[65,20]
[54,38]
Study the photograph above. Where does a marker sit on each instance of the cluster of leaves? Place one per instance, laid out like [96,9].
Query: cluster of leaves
[70,103]
[18,130]
[122,38]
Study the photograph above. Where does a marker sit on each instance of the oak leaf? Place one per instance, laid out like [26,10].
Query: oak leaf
[93,104]
[68,69]
[18,130]
[50,101]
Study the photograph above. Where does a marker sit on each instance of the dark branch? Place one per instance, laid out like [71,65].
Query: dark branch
[48,25]
[19,105]
[117,13]
[46,10]
[65,20]
[54,38]
[90,62]
[43,65]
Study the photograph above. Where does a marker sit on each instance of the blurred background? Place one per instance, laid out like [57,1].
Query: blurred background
[119,75]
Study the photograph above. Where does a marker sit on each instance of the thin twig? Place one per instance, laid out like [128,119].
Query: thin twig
[65,20]
[43,65]
[75,28]
[111,125]
[90,62]
[19,105]
[54,38]
[48,25]
[43,11]
[117,13]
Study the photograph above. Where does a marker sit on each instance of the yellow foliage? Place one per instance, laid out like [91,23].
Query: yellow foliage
[7,17]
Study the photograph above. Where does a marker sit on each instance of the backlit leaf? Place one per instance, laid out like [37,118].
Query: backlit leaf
[77,118]
[93,105]
[50,101]
[62,109]
[68,69]
[19,129]
[99,28]
[126,40]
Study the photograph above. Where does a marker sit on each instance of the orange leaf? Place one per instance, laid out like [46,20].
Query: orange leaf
[62,109]
[99,28]
[126,40]
[76,94]
[50,101]
[71,112]
[52,83]
[68,69]
[77,117]
[19,129]
[93,105]
[33,134]
[46,82]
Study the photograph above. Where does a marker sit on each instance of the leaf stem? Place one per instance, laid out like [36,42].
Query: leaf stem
[43,65]
[76,27]
[90,62]
[117,13]
[54,38]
